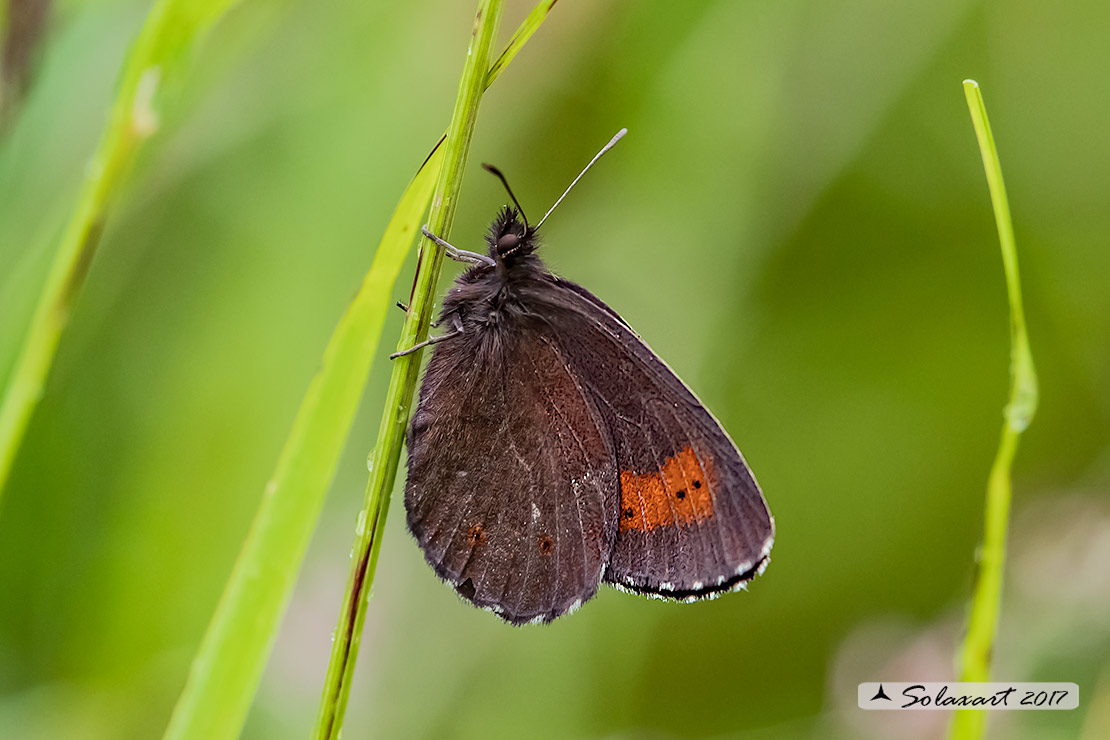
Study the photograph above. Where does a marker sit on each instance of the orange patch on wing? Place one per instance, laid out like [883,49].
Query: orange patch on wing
[677,494]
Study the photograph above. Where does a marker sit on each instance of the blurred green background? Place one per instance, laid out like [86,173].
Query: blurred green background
[798,222]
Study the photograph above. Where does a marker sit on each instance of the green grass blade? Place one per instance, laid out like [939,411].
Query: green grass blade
[157,60]
[530,25]
[384,459]
[232,656]
[229,664]
[975,656]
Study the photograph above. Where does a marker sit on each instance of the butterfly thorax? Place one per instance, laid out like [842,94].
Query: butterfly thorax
[492,297]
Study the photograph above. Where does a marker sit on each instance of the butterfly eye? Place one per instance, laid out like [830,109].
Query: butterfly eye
[507,242]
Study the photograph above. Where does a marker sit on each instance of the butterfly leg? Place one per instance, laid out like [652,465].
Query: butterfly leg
[455,321]
[459,255]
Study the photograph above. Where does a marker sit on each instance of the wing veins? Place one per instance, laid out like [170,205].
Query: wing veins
[585,401]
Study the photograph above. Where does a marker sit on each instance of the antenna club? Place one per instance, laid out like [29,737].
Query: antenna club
[585,169]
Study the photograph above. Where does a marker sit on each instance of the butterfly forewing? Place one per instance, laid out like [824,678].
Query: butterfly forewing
[692,521]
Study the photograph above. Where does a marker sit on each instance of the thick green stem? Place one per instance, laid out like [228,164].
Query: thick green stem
[387,452]
[986,603]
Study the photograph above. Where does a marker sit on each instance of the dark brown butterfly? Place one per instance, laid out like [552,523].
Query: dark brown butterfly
[552,450]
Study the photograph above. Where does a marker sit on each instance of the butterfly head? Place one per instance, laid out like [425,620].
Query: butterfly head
[510,237]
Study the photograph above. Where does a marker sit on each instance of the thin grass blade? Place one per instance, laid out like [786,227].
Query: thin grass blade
[386,454]
[229,664]
[158,59]
[986,603]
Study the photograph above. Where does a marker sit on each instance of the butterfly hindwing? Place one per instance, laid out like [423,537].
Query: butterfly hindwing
[514,500]
[692,521]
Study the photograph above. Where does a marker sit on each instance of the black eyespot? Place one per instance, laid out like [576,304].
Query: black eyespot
[681,493]
[546,545]
[628,513]
[697,484]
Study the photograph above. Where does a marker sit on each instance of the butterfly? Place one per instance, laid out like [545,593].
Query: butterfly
[552,450]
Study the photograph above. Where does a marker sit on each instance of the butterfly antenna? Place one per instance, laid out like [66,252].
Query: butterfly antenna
[586,169]
[501,177]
